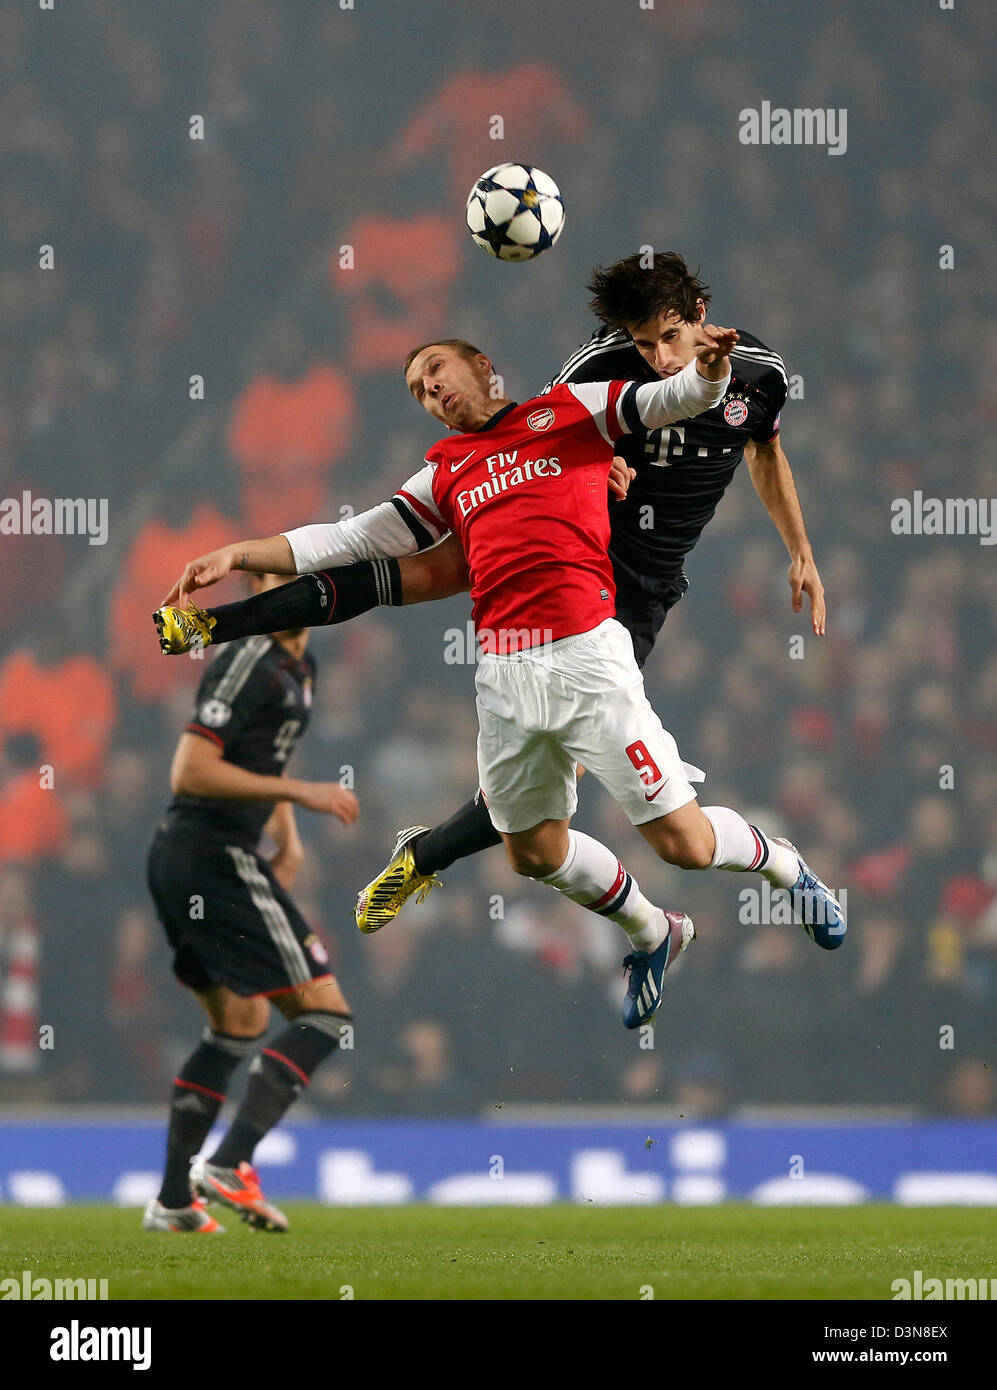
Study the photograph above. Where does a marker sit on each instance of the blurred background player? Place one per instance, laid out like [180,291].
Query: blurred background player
[238,939]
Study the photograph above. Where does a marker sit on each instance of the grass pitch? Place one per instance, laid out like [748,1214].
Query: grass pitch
[560,1252]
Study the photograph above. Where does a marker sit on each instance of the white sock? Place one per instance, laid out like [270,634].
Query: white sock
[744,848]
[593,877]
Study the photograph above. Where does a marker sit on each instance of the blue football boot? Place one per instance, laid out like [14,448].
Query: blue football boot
[815,906]
[647,971]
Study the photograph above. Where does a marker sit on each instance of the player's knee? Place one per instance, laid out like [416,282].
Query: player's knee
[532,861]
[687,851]
[700,854]
[321,996]
[242,1017]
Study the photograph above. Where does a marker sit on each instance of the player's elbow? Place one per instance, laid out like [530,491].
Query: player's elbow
[186,777]
[451,585]
[182,783]
[456,579]
[434,574]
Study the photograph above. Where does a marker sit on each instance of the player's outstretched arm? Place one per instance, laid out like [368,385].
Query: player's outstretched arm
[620,407]
[334,595]
[439,572]
[200,769]
[270,556]
[382,532]
[773,481]
[319,600]
[700,385]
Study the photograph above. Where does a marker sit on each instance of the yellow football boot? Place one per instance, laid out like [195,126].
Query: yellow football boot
[181,629]
[386,895]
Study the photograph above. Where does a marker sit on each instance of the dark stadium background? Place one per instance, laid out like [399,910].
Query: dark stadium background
[220,258]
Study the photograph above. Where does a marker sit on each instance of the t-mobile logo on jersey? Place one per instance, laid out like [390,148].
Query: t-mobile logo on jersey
[502,478]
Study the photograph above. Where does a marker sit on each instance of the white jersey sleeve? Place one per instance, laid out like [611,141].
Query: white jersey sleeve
[416,504]
[409,522]
[619,407]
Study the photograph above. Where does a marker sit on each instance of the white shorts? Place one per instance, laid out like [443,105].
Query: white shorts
[579,700]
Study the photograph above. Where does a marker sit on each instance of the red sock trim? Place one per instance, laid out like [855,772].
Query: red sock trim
[621,874]
[761,849]
[335,595]
[193,1086]
[279,1056]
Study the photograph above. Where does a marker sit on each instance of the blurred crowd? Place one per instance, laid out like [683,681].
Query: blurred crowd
[286,262]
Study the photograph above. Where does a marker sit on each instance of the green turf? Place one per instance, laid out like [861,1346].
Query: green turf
[560,1252]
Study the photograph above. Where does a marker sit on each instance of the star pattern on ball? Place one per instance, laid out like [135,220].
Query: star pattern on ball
[515,212]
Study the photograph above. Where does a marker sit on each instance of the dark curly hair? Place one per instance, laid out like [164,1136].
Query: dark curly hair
[633,291]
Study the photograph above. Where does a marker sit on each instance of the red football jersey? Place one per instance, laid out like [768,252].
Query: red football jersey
[527,496]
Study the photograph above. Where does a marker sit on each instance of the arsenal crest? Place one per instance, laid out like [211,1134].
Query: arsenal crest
[541,419]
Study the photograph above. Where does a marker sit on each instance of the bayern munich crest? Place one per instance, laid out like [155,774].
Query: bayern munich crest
[541,419]
[736,412]
[315,949]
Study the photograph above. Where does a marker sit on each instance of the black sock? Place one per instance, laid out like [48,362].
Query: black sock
[468,831]
[276,1077]
[198,1092]
[313,600]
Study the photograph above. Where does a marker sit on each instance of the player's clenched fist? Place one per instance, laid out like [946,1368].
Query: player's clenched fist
[713,345]
[620,477]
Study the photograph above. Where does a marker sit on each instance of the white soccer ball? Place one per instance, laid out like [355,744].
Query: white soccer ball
[515,211]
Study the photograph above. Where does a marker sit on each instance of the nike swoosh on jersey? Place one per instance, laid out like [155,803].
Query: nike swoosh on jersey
[455,466]
[649,796]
